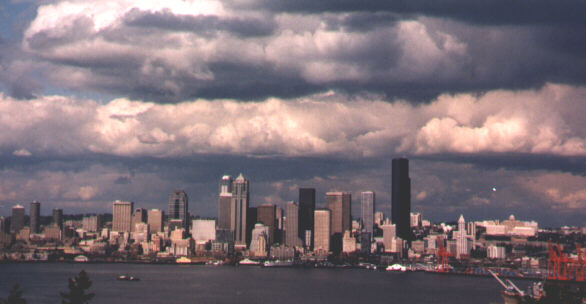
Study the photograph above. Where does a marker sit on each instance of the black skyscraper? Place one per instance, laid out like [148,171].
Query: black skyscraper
[306,208]
[401,196]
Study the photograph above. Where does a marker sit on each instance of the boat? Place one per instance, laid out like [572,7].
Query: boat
[183,260]
[126,277]
[248,262]
[397,268]
[81,259]
[278,263]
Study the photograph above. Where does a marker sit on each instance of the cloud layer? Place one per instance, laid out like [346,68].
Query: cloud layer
[208,49]
[544,121]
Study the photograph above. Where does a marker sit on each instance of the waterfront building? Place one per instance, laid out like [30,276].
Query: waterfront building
[306,213]
[203,230]
[17,218]
[260,240]
[389,235]
[348,242]
[58,217]
[139,216]
[178,207]
[292,225]
[401,198]
[367,206]
[122,216]
[91,223]
[239,208]
[495,252]
[35,213]
[322,230]
[415,219]
[155,220]
[224,203]
[266,214]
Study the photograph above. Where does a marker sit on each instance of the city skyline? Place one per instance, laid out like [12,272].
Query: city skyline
[111,100]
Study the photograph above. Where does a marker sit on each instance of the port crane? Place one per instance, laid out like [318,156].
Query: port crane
[561,267]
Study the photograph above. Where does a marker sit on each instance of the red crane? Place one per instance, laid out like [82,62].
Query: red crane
[564,268]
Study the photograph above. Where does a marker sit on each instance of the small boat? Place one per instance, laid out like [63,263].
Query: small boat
[126,277]
[397,267]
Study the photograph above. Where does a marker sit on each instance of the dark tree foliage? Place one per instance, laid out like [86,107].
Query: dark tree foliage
[77,290]
[14,297]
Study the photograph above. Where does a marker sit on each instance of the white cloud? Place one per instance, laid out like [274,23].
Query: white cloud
[22,153]
[315,125]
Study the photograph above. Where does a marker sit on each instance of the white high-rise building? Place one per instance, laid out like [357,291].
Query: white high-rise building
[461,238]
[322,230]
[122,216]
[259,240]
[203,230]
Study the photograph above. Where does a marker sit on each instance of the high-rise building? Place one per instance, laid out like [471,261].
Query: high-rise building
[292,225]
[17,218]
[203,230]
[178,207]
[367,205]
[122,216]
[58,217]
[416,219]
[279,238]
[259,241]
[239,207]
[322,232]
[340,204]
[461,237]
[266,214]
[139,216]
[35,213]
[224,203]
[155,220]
[401,198]
[92,223]
[306,213]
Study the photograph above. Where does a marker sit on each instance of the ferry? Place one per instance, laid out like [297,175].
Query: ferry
[397,268]
[183,260]
[248,262]
[278,263]
[81,259]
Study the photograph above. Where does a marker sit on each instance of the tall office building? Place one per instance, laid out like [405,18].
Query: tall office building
[322,230]
[306,213]
[401,198]
[58,217]
[224,203]
[35,213]
[267,215]
[155,220]
[340,204]
[122,216]
[239,208]
[178,206]
[139,216]
[17,218]
[367,205]
[292,225]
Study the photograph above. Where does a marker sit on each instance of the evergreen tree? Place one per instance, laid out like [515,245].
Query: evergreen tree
[77,290]
[14,297]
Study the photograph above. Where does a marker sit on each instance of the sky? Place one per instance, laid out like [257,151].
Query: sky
[129,100]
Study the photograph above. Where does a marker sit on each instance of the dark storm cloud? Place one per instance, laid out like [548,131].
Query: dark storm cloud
[491,12]
[202,24]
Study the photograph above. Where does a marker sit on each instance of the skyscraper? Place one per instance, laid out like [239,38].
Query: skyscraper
[306,213]
[367,205]
[122,216]
[322,232]
[17,218]
[266,214]
[178,206]
[58,217]
[155,220]
[239,208]
[34,217]
[401,198]
[292,225]
[224,203]
[340,204]
[139,216]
